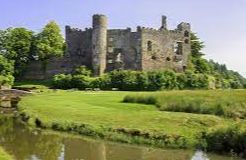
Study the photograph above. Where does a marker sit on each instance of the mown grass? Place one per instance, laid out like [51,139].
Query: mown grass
[103,115]
[4,155]
[227,103]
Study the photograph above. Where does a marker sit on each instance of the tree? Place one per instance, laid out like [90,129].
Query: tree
[196,46]
[3,37]
[201,65]
[49,43]
[6,67]
[6,71]
[18,47]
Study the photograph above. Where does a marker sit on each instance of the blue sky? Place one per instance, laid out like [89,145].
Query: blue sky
[220,23]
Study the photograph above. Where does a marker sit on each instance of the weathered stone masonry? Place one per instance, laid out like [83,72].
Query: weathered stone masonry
[103,50]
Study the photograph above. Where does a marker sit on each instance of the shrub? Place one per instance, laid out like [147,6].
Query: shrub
[227,140]
[81,82]
[6,80]
[62,81]
[148,81]
[82,70]
[140,99]
[142,81]
[103,82]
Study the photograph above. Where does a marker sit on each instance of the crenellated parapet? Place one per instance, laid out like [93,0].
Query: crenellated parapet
[69,29]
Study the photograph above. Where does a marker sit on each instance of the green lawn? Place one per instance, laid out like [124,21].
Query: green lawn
[4,155]
[106,110]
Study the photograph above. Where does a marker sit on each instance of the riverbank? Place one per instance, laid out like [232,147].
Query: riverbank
[50,145]
[103,115]
[4,155]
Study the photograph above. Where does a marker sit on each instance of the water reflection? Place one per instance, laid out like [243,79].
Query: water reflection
[24,144]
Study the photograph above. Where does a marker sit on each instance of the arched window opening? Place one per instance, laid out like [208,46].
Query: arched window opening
[186,34]
[149,45]
[186,41]
[168,59]
[178,48]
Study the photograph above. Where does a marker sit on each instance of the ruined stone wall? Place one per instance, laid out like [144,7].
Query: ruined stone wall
[185,29]
[79,46]
[159,49]
[134,60]
[37,70]
[121,51]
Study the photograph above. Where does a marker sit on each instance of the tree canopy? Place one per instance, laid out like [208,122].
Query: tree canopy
[224,78]
[49,42]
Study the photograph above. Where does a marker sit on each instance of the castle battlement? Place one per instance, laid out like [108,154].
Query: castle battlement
[146,49]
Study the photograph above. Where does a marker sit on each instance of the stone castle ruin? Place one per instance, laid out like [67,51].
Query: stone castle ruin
[103,50]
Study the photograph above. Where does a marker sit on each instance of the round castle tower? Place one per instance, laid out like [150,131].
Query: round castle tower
[99,44]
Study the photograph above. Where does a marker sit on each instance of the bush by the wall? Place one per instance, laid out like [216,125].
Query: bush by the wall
[80,82]
[103,82]
[142,81]
[7,80]
[62,81]
[161,80]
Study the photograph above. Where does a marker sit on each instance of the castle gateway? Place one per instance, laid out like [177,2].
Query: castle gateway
[103,50]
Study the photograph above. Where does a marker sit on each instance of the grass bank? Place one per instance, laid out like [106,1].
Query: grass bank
[103,115]
[4,155]
[227,103]
[37,86]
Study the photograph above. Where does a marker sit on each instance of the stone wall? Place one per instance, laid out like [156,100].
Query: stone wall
[163,49]
[122,46]
[37,70]
[79,46]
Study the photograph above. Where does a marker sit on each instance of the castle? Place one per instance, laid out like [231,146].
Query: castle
[103,50]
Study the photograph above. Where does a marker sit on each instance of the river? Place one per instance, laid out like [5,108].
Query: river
[28,144]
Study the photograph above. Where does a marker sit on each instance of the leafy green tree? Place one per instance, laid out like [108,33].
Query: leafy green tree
[18,45]
[3,40]
[196,46]
[49,43]
[201,65]
[224,78]
[6,71]
[6,67]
